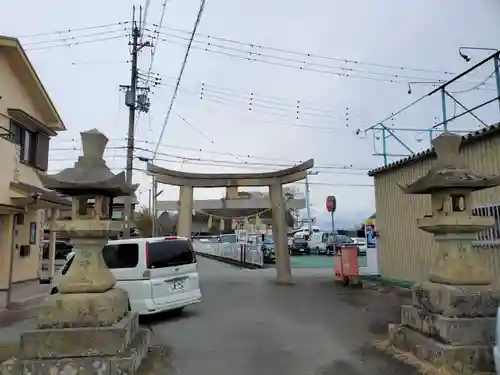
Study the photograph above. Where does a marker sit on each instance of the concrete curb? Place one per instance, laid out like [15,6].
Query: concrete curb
[391,282]
[231,262]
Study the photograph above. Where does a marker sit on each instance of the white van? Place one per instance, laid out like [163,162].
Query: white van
[318,242]
[159,273]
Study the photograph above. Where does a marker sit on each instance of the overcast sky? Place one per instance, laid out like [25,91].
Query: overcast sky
[333,102]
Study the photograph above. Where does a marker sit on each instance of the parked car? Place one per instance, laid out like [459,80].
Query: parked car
[318,241]
[266,245]
[300,245]
[158,273]
[335,246]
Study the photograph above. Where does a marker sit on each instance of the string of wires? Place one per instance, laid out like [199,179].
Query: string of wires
[305,54]
[155,36]
[253,102]
[145,153]
[181,72]
[74,37]
[257,53]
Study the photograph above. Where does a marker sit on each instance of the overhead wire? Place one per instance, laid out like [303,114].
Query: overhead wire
[66,31]
[311,55]
[76,43]
[226,163]
[268,110]
[142,170]
[154,38]
[144,19]
[256,99]
[181,72]
[308,66]
[252,56]
[75,37]
[205,136]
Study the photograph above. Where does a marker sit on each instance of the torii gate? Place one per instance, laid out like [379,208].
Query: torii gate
[275,180]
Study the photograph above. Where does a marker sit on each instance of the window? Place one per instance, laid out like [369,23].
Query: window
[170,253]
[26,140]
[124,255]
[24,250]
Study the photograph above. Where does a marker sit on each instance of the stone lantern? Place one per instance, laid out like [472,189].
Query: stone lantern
[87,327]
[452,317]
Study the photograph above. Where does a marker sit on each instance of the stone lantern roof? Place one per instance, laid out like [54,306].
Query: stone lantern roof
[90,175]
[448,171]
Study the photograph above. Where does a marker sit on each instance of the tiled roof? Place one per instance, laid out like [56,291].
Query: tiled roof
[466,139]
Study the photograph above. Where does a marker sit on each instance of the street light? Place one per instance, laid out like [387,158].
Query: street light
[424,82]
[308,204]
[467,58]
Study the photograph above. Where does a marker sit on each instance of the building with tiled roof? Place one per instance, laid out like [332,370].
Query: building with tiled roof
[405,252]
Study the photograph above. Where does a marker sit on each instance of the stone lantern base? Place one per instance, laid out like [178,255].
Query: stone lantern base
[452,326]
[116,349]
[87,328]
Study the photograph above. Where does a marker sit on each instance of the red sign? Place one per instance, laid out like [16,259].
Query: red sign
[331,203]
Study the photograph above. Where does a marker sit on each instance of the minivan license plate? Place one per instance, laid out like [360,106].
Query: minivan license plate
[177,284]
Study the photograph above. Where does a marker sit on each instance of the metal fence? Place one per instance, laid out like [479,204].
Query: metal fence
[489,237]
[240,252]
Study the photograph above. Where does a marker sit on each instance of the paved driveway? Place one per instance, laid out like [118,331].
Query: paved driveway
[248,325]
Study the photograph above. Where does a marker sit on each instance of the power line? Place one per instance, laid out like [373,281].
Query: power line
[244,166]
[155,36]
[76,43]
[305,66]
[66,31]
[75,37]
[268,110]
[254,100]
[224,163]
[205,136]
[144,18]
[251,54]
[279,161]
[311,55]
[142,170]
[302,64]
[181,72]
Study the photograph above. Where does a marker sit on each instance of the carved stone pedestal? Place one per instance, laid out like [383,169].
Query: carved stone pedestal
[449,325]
[87,328]
[117,349]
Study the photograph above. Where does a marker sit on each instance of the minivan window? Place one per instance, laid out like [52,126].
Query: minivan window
[124,255]
[170,253]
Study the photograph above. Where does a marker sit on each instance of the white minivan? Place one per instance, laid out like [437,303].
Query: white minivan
[318,242]
[158,273]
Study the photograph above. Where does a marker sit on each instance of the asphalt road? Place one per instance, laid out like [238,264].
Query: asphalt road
[248,325]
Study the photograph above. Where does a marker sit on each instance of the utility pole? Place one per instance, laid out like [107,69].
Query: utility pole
[308,202]
[131,101]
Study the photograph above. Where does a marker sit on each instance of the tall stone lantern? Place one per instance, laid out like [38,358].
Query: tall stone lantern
[87,327]
[452,316]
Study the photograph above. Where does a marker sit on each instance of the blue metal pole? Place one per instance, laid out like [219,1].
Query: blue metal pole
[384,147]
[430,135]
[497,76]
[443,107]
